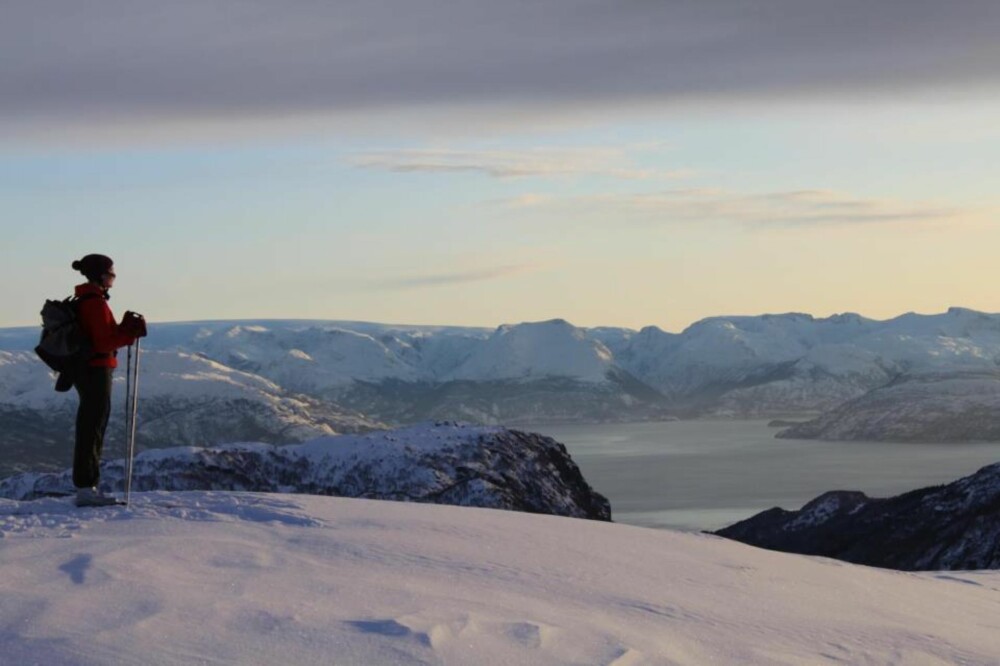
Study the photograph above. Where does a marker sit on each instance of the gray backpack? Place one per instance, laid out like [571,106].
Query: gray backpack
[64,346]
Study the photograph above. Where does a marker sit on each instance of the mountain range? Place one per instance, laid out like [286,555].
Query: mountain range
[288,380]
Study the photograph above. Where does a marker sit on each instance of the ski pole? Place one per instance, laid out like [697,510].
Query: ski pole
[128,404]
[135,408]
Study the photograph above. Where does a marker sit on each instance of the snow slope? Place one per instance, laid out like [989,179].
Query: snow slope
[227,578]
[311,360]
[537,350]
[27,383]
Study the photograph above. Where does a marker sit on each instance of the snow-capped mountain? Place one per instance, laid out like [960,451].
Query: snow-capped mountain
[553,371]
[795,363]
[310,360]
[443,463]
[927,407]
[528,373]
[539,350]
[955,526]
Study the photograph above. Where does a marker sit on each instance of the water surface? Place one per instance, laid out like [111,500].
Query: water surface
[703,475]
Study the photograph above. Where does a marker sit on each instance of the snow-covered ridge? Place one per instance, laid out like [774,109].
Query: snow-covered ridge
[530,351]
[331,357]
[845,354]
[443,463]
[212,577]
[309,360]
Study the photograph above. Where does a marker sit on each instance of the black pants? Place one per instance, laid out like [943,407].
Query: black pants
[94,387]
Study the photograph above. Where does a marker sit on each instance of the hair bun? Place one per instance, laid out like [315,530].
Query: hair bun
[93,266]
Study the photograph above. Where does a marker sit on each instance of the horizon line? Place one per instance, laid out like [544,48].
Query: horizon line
[257,320]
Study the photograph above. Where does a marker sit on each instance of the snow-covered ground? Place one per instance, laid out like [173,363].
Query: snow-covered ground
[210,578]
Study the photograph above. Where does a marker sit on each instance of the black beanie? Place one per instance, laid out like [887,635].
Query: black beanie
[93,266]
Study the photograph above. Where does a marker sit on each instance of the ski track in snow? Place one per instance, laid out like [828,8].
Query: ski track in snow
[252,578]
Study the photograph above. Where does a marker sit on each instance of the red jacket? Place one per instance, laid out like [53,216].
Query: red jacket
[105,334]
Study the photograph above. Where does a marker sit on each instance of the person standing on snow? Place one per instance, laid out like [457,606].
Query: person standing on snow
[93,382]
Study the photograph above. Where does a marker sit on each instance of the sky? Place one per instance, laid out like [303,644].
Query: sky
[477,163]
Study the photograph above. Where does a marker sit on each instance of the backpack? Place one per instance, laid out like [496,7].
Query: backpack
[64,346]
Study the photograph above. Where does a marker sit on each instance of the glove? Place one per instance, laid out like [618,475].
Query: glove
[134,324]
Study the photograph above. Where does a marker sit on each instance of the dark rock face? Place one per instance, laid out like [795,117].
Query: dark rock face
[954,526]
[783,423]
[444,463]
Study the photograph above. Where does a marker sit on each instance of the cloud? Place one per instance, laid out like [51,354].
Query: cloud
[612,162]
[450,278]
[800,208]
[119,60]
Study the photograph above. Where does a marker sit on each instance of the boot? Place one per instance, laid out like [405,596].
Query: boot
[93,497]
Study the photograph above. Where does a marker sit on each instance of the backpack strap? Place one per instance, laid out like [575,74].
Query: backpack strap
[75,301]
[80,299]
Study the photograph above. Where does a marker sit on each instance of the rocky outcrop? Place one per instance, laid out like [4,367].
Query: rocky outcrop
[954,526]
[443,463]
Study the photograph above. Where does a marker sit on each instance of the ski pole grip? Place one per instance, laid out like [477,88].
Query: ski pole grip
[135,324]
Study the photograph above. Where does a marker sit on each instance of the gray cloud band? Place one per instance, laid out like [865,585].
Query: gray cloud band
[444,279]
[187,58]
[799,209]
[612,162]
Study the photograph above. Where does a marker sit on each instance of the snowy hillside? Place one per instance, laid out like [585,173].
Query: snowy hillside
[26,383]
[184,400]
[927,407]
[309,360]
[188,578]
[529,351]
[443,463]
